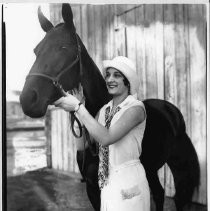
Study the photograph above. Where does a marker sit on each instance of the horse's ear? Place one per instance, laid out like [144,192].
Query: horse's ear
[67,15]
[44,22]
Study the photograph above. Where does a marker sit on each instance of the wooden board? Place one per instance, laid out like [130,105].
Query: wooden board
[198,90]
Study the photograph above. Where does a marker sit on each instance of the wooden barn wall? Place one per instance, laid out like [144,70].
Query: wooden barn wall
[168,44]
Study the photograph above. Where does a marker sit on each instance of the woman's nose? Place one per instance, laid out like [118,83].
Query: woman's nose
[110,78]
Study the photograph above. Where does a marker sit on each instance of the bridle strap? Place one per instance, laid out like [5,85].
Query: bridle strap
[55,79]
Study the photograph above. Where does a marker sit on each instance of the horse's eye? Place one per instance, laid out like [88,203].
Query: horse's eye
[63,47]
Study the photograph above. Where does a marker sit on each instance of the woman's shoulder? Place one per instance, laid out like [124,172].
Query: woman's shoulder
[132,101]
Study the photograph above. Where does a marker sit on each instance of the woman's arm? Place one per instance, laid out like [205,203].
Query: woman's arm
[131,118]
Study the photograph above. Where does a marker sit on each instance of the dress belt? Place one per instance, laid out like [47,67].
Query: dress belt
[124,165]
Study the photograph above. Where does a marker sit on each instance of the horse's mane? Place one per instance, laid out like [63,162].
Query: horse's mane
[93,81]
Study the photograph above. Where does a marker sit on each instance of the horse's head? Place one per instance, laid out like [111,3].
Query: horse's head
[56,59]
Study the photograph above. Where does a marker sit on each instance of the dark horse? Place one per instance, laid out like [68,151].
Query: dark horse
[59,57]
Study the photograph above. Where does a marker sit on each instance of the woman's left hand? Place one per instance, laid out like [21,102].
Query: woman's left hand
[68,103]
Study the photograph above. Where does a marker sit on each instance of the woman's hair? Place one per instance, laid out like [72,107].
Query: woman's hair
[126,82]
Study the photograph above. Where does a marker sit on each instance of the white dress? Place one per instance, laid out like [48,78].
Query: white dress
[127,187]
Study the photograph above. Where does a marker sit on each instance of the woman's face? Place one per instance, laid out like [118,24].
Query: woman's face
[114,82]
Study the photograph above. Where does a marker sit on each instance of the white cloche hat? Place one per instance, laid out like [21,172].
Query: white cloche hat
[128,69]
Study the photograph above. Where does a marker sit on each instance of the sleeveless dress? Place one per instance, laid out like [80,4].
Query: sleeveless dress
[127,187]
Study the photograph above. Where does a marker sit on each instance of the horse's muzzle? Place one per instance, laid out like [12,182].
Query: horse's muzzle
[32,105]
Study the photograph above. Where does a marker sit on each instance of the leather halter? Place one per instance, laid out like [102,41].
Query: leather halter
[55,81]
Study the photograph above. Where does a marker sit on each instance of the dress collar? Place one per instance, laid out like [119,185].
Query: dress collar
[122,104]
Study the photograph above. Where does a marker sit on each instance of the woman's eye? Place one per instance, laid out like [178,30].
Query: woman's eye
[117,75]
[107,75]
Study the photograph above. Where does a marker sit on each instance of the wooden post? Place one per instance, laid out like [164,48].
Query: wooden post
[48,129]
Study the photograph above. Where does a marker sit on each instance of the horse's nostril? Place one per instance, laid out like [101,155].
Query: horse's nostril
[34,97]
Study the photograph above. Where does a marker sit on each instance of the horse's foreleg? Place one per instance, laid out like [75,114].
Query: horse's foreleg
[156,189]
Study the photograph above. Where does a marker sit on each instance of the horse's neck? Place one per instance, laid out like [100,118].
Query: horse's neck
[94,85]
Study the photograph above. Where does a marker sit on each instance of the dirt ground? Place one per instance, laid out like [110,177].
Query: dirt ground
[47,190]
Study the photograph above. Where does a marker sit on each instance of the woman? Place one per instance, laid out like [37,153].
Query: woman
[118,128]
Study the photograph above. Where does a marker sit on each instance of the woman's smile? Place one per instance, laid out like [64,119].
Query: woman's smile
[111,85]
[115,82]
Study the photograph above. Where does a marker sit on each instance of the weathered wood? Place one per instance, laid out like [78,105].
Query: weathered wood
[120,41]
[130,35]
[91,30]
[198,90]
[150,42]
[180,59]
[140,51]
[112,29]
[48,128]
[170,75]
[105,30]
[159,60]
[187,57]
[65,129]
[159,50]
[98,36]
[76,10]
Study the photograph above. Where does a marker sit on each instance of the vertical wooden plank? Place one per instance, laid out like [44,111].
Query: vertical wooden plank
[54,140]
[187,56]
[98,36]
[105,34]
[69,149]
[140,51]
[180,58]
[120,41]
[65,140]
[169,50]
[170,75]
[91,31]
[150,42]
[59,139]
[131,35]
[52,135]
[111,31]
[48,129]
[159,54]
[76,9]
[197,37]
[159,50]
